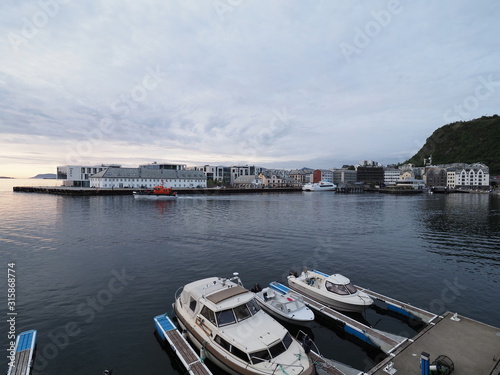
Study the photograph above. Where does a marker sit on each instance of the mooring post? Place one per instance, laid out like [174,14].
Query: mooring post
[424,363]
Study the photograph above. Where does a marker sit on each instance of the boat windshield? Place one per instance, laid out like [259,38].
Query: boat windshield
[273,351]
[340,288]
[238,313]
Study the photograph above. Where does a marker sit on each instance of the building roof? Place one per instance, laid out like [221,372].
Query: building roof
[149,173]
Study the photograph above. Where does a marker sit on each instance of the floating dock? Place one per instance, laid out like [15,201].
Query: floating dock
[387,342]
[24,353]
[189,358]
[474,348]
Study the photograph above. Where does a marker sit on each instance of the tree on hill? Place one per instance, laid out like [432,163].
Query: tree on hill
[464,142]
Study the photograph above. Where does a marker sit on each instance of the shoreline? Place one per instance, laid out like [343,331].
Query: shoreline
[75,191]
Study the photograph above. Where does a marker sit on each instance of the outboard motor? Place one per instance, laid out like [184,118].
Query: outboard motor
[293,273]
[256,288]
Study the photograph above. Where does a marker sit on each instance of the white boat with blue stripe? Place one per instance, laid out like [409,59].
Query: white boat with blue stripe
[281,302]
[335,290]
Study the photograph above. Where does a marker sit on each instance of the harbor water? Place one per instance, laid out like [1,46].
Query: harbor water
[92,272]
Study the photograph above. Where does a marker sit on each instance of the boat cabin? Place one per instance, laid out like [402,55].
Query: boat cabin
[335,283]
[228,313]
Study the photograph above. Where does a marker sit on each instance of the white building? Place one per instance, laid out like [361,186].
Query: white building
[391,176]
[79,175]
[147,178]
[475,176]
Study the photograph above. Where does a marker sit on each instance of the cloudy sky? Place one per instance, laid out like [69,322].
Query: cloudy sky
[281,84]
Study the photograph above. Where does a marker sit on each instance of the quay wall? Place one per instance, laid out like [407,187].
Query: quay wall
[75,191]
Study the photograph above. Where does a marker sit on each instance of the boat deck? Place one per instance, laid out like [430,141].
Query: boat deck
[474,348]
[189,358]
[387,342]
[24,352]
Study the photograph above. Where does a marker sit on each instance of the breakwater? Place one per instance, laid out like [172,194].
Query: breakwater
[76,191]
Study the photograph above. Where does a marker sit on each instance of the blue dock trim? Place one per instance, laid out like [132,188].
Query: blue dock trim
[279,287]
[359,334]
[26,340]
[321,273]
[163,324]
[24,352]
[400,311]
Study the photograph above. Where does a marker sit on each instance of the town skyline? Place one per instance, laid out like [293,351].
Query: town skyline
[283,85]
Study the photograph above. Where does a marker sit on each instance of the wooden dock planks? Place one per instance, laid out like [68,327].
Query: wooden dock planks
[179,345]
[24,352]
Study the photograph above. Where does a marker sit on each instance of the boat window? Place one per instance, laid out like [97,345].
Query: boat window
[242,312]
[225,317]
[336,288]
[239,353]
[351,288]
[277,349]
[253,306]
[287,340]
[209,315]
[192,304]
[219,340]
[260,356]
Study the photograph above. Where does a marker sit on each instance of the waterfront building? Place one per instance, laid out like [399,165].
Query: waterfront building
[147,178]
[411,182]
[344,176]
[391,176]
[247,170]
[321,175]
[302,176]
[436,177]
[170,166]
[79,175]
[370,175]
[248,182]
[219,173]
[475,176]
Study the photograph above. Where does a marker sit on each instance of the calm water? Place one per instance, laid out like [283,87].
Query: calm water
[92,272]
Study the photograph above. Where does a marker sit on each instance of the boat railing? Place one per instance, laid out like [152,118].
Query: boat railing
[306,341]
[282,368]
[177,292]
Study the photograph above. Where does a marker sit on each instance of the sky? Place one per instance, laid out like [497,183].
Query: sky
[278,84]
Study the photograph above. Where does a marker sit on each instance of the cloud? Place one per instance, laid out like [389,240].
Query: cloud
[202,82]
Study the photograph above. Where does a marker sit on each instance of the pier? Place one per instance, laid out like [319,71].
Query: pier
[78,191]
[189,358]
[474,348]
[24,353]
[387,342]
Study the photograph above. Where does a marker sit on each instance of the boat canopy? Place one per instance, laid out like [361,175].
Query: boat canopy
[224,294]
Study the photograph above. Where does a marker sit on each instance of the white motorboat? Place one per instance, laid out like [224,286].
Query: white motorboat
[223,320]
[281,302]
[320,186]
[335,290]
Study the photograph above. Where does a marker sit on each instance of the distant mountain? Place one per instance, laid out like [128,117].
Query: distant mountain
[45,175]
[464,142]
[6,177]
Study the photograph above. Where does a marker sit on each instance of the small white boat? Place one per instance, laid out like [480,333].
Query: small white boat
[225,322]
[335,290]
[319,186]
[283,303]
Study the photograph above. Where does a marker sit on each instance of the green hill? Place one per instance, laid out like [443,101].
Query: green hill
[464,142]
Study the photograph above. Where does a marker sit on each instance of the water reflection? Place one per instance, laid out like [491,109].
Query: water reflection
[465,227]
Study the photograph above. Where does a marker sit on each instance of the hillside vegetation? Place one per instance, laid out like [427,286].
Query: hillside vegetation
[464,142]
